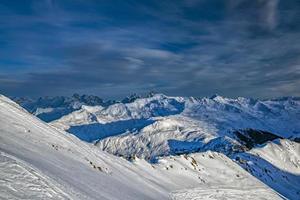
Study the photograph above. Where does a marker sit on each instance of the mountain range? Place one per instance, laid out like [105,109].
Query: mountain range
[153,147]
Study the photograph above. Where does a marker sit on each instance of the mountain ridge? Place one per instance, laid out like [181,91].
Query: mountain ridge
[169,125]
[57,165]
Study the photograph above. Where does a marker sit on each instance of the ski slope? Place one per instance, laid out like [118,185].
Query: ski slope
[223,193]
[20,181]
[39,161]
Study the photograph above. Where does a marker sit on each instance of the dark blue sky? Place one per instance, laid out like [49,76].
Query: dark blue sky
[114,48]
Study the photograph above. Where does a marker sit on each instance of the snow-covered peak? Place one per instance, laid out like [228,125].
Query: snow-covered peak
[162,125]
[218,98]
[157,105]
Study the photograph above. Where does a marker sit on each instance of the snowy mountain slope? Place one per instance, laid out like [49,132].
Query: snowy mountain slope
[19,181]
[161,125]
[39,161]
[165,136]
[68,161]
[277,164]
[221,193]
[279,116]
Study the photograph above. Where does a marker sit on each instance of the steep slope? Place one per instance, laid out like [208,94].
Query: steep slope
[277,164]
[71,165]
[161,125]
[39,161]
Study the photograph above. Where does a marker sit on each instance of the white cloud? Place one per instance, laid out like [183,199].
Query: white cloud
[269,15]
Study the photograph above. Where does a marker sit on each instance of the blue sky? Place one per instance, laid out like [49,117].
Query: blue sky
[185,48]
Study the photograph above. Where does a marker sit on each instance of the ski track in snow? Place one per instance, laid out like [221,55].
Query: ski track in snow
[223,193]
[20,181]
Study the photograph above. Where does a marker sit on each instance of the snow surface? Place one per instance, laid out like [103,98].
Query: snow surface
[39,161]
[221,193]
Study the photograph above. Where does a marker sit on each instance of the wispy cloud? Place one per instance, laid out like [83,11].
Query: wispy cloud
[235,48]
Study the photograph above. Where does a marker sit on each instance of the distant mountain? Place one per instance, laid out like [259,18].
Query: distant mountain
[52,108]
[160,125]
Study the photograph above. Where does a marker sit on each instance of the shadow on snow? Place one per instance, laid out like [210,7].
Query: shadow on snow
[98,131]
